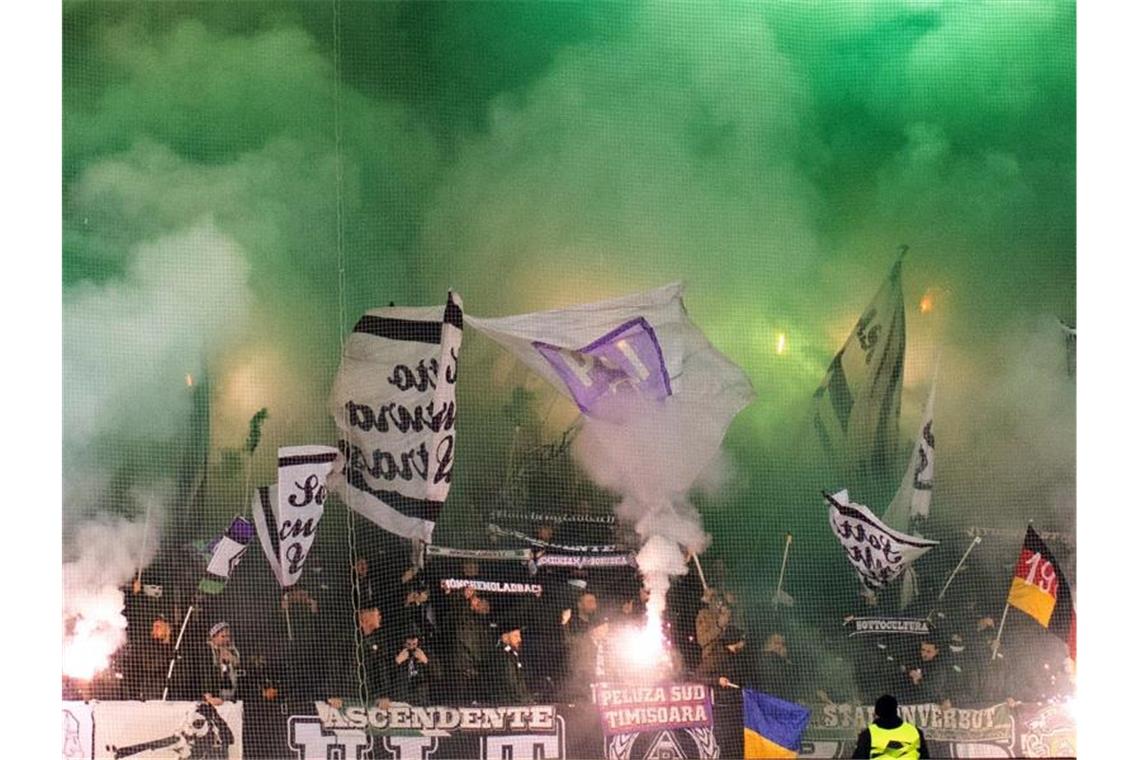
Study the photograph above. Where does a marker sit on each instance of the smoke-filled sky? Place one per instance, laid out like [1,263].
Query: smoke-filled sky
[242,180]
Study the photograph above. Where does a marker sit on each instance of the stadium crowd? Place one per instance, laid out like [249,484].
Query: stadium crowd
[370,626]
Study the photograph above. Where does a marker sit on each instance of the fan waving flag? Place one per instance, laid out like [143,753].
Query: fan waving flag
[1040,590]
[394,405]
[857,403]
[772,727]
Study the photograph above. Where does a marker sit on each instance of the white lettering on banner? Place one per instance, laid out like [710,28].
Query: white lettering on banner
[940,724]
[410,747]
[312,741]
[526,746]
[493,587]
[439,718]
[890,625]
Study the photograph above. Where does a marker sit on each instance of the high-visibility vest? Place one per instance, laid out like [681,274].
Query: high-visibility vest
[899,742]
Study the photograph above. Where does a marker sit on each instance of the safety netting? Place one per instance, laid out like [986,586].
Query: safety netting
[500,380]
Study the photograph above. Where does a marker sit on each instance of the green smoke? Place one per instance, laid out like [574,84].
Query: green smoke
[303,162]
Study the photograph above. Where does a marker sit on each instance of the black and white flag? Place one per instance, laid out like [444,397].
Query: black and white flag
[394,405]
[286,515]
[879,554]
[857,403]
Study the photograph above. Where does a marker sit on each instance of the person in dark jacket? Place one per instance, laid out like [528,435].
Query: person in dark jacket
[889,735]
[725,666]
[373,664]
[777,673]
[474,638]
[218,666]
[412,670]
[588,661]
[505,669]
[145,663]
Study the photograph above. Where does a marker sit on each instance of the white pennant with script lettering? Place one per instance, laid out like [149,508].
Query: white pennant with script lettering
[296,505]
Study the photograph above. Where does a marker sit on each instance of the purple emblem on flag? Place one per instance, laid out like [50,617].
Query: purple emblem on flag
[240,530]
[626,358]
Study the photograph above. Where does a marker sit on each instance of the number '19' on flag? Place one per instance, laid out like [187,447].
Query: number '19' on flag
[1041,591]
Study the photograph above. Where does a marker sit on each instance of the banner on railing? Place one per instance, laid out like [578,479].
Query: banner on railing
[681,721]
[175,730]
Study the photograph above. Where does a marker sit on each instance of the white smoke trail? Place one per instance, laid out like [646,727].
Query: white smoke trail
[129,344]
[654,453]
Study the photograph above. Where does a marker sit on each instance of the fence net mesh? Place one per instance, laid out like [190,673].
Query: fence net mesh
[243,181]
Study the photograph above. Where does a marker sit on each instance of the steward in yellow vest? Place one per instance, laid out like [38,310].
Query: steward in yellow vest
[889,736]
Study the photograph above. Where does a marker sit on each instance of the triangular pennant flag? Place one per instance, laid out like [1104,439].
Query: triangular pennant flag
[287,515]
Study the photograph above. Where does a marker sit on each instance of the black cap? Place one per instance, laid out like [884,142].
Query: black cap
[732,634]
[887,706]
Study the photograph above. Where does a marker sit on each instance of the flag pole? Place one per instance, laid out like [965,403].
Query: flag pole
[288,620]
[700,571]
[977,540]
[997,641]
[174,654]
[783,564]
[142,552]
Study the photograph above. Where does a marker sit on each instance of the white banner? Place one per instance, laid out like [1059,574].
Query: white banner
[394,405]
[878,553]
[77,731]
[175,730]
[912,499]
[294,508]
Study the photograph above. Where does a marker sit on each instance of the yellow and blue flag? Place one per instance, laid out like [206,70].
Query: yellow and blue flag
[772,727]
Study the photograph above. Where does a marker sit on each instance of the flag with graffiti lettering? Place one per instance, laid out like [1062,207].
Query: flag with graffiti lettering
[878,553]
[393,401]
[286,515]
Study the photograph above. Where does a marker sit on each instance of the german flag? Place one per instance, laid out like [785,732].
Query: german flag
[1040,590]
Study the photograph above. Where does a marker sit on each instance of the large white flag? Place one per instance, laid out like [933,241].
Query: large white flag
[643,344]
[286,515]
[911,503]
[912,499]
[857,403]
[879,554]
[394,405]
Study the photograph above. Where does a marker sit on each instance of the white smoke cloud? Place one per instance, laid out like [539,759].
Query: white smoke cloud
[655,453]
[103,553]
[129,345]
